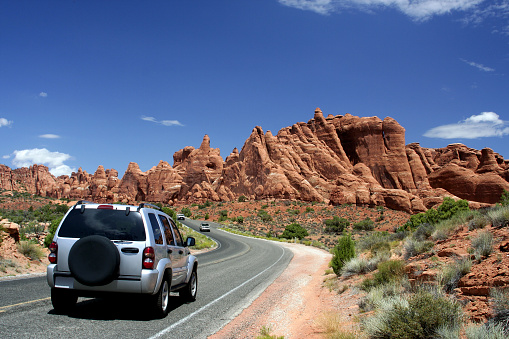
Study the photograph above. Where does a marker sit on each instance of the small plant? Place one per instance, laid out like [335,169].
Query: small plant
[450,275]
[388,272]
[309,210]
[414,247]
[364,225]
[242,198]
[499,216]
[504,198]
[30,250]
[264,216]
[342,252]
[336,225]
[265,334]
[186,211]
[483,244]
[478,221]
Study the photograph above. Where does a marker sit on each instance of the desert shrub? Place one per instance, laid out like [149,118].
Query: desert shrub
[447,226]
[451,274]
[336,225]
[342,252]
[504,198]
[240,219]
[364,225]
[264,216]
[360,265]
[414,247]
[388,272]
[483,243]
[478,221]
[332,325]
[499,216]
[382,297]
[421,316]
[294,230]
[493,331]
[242,198]
[205,205]
[373,240]
[423,232]
[30,250]
[6,263]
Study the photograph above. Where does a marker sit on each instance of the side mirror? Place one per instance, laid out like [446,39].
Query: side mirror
[190,241]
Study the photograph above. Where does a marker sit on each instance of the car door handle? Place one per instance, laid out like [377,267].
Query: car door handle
[130,250]
[170,251]
[181,252]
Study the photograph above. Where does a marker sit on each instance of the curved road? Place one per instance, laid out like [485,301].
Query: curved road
[229,279]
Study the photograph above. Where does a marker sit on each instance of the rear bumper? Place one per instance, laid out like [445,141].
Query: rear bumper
[144,284]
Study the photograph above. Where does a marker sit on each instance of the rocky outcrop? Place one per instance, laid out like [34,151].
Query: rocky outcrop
[335,159]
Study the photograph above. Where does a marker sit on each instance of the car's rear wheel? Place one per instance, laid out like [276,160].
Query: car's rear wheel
[63,300]
[189,292]
[161,300]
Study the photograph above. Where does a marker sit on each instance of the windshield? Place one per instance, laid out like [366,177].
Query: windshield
[113,224]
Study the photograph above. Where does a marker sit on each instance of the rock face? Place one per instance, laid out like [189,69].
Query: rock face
[336,159]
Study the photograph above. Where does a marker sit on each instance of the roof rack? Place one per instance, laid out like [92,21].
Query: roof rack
[142,205]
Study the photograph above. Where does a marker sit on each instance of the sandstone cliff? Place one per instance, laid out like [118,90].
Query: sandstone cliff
[336,159]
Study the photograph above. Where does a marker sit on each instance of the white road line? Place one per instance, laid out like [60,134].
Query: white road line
[169,328]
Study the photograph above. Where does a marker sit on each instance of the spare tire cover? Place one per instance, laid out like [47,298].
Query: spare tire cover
[94,260]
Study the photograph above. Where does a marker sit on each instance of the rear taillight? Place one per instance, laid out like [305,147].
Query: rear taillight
[53,248]
[148,257]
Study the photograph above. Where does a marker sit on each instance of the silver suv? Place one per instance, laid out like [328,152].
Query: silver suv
[106,249]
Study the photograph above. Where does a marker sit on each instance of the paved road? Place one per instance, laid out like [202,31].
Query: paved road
[230,278]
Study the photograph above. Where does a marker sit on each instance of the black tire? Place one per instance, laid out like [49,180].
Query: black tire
[94,260]
[190,290]
[161,301]
[63,300]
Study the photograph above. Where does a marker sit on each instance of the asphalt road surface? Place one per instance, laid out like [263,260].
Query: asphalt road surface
[229,279]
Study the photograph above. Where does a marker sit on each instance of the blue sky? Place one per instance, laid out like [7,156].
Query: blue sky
[89,83]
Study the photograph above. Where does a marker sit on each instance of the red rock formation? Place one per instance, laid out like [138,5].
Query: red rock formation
[337,159]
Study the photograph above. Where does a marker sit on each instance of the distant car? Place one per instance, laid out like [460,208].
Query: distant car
[181,217]
[204,227]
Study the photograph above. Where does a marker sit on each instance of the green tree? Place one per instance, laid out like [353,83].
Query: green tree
[186,211]
[294,230]
[342,252]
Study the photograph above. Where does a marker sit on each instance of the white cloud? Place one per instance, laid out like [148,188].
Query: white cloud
[5,122]
[43,94]
[49,136]
[54,160]
[6,156]
[419,10]
[478,66]
[162,122]
[486,124]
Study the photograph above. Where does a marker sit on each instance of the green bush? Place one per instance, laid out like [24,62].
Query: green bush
[294,230]
[478,221]
[336,225]
[242,198]
[342,252]
[364,225]
[424,314]
[240,219]
[446,210]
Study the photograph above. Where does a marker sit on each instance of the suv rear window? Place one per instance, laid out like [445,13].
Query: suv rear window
[113,224]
